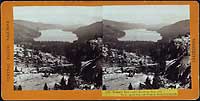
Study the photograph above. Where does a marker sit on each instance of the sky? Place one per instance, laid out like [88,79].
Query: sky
[73,15]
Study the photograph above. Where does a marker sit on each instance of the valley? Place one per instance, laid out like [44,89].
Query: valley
[104,55]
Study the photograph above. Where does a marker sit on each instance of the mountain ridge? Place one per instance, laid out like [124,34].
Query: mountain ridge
[38,25]
[23,33]
[173,30]
[98,29]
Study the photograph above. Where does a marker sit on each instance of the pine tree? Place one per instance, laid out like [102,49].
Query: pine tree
[15,87]
[190,85]
[71,82]
[130,87]
[55,87]
[98,79]
[122,69]
[104,87]
[148,83]
[62,83]
[37,68]
[156,82]
[16,69]
[19,87]
[45,86]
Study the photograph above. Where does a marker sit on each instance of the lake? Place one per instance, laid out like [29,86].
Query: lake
[140,35]
[56,35]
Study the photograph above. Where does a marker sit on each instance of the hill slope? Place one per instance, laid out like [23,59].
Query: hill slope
[27,30]
[123,25]
[174,30]
[38,25]
[23,33]
[98,29]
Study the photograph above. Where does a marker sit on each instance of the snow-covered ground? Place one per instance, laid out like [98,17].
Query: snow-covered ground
[37,81]
[34,81]
[32,75]
[26,73]
[120,81]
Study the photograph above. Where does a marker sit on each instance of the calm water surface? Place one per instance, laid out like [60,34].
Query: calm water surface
[141,35]
[56,35]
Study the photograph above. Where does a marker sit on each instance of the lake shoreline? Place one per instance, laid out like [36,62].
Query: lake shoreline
[68,36]
[49,35]
[141,35]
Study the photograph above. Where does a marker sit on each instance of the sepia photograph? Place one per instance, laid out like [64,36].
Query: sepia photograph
[121,47]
